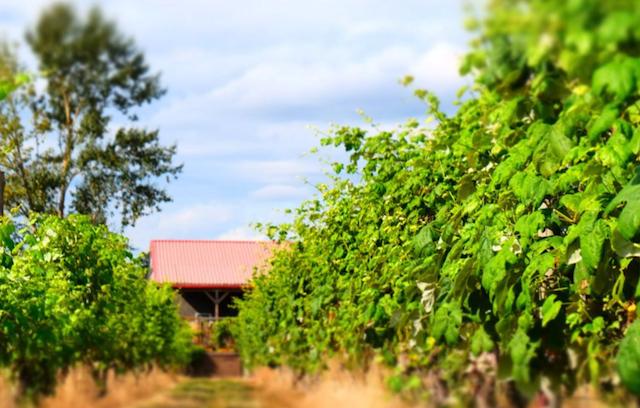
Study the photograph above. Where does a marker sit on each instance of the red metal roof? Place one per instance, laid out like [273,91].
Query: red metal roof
[207,264]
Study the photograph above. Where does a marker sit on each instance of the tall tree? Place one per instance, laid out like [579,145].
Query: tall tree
[67,159]
[10,80]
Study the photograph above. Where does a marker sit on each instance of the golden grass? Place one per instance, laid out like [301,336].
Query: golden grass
[6,393]
[337,388]
[333,389]
[79,390]
[265,388]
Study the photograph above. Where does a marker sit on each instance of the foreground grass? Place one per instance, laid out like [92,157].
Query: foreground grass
[208,393]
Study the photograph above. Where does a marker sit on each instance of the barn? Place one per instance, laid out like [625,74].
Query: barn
[207,274]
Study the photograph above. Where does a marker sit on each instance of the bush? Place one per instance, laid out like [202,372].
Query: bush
[72,293]
[222,335]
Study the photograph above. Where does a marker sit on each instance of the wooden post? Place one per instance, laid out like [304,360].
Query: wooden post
[217,299]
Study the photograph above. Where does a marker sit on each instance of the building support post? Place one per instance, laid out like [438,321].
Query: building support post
[217,298]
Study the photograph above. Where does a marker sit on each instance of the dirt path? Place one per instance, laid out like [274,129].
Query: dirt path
[208,393]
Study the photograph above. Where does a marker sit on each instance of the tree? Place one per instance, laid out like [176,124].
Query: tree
[66,159]
[9,80]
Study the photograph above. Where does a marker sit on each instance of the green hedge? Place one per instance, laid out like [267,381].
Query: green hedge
[510,228]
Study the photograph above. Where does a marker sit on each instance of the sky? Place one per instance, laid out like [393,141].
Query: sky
[246,80]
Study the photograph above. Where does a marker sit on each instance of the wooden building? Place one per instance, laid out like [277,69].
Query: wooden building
[207,274]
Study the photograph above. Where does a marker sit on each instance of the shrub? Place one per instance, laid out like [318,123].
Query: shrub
[73,293]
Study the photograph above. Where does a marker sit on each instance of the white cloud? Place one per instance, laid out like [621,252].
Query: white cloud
[245,77]
[276,20]
[278,192]
[289,139]
[440,65]
[277,86]
[242,234]
[180,222]
[197,221]
[272,171]
[271,93]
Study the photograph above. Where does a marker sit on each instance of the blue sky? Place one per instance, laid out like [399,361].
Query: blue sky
[246,78]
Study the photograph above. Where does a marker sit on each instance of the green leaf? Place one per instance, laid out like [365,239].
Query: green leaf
[604,121]
[496,269]
[593,232]
[617,151]
[623,247]
[551,151]
[22,79]
[529,188]
[629,219]
[616,78]
[550,309]
[528,226]
[616,26]
[522,351]
[628,358]
[466,187]
[446,323]
[634,143]
[396,383]
[315,305]
[481,341]
[423,242]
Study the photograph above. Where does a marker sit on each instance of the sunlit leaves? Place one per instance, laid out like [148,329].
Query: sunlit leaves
[550,309]
[481,342]
[487,232]
[629,219]
[7,86]
[628,358]
[603,121]
[424,241]
[446,323]
[620,79]
[72,293]
[623,247]
[592,232]
[551,151]
[530,188]
[522,351]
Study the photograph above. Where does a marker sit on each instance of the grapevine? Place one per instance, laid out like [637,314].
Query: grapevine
[510,229]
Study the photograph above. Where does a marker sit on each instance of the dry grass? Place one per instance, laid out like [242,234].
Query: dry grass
[275,392]
[6,393]
[266,388]
[338,388]
[209,393]
[79,390]
[335,388]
